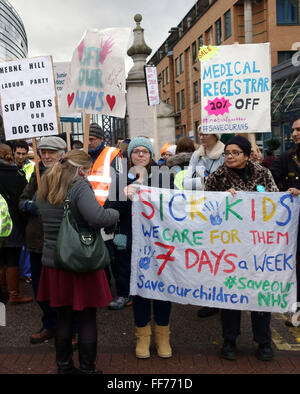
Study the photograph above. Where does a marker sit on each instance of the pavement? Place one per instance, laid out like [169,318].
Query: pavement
[196,346]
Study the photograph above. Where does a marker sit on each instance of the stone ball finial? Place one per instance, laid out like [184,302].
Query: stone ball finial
[139,47]
[138,18]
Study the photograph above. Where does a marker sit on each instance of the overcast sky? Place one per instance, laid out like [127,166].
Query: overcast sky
[55,27]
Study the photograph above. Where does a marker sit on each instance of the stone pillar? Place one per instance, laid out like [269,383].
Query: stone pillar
[139,113]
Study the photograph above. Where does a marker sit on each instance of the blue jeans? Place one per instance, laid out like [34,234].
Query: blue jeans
[142,311]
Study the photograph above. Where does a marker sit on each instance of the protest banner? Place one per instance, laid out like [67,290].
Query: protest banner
[95,84]
[213,249]
[60,74]
[151,85]
[28,98]
[236,88]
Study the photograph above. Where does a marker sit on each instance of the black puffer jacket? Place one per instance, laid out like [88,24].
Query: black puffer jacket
[34,227]
[12,183]
[286,169]
[85,209]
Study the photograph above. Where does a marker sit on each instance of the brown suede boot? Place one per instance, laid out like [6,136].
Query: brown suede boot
[162,341]
[143,338]
[12,278]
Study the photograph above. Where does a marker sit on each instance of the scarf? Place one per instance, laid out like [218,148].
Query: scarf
[213,154]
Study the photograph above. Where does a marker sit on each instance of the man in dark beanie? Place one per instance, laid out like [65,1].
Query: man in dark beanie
[104,158]
[238,173]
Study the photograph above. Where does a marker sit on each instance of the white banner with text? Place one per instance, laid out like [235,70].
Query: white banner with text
[213,249]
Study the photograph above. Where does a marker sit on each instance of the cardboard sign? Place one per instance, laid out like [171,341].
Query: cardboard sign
[28,98]
[60,72]
[152,85]
[236,88]
[216,250]
[95,82]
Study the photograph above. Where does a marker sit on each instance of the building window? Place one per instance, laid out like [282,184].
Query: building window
[200,41]
[285,55]
[218,32]
[194,52]
[196,92]
[167,75]
[227,20]
[178,101]
[196,128]
[287,12]
[209,36]
[182,99]
[177,67]
[163,78]
[181,63]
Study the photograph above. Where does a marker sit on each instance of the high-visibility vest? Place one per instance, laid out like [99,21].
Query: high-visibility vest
[99,175]
[6,223]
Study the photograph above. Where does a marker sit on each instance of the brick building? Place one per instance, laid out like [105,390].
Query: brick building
[218,22]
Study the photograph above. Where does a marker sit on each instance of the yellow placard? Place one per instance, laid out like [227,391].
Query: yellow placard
[207,52]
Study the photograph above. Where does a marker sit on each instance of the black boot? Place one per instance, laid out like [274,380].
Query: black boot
[64,354]
[87,353]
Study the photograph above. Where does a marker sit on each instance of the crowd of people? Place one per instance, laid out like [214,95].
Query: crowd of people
[69,300]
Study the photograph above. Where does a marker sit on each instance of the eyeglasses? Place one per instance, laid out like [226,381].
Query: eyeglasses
[204,135]
[233,153]
[141,152]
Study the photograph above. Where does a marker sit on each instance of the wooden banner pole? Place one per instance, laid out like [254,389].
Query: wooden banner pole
[56,100]
[68,133]
[87,120]
[155,133]
[36,160]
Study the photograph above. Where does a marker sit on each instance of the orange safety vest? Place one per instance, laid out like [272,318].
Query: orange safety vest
[99,175]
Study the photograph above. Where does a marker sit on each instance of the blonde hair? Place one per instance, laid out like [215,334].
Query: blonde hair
[57,180]
[6,153]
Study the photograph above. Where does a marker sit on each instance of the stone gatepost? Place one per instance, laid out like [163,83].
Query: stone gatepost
[139,113]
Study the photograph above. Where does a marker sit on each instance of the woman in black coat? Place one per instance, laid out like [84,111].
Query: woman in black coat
[12,183]
[140,154]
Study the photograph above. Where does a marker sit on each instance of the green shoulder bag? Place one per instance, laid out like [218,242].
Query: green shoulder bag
[79,248]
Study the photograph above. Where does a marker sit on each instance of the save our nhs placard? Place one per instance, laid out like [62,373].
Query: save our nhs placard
[236,88]
[214,249]
[95,83]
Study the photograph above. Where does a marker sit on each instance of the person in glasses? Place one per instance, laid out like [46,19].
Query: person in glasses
[140,154]
[238,173]
[204,161]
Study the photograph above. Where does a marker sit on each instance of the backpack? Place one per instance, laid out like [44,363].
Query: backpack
[5,220]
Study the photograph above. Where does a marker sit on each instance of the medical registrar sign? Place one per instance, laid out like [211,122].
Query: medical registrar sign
[236,88]
[28,98]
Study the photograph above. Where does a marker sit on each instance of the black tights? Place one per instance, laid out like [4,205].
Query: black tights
[87,325]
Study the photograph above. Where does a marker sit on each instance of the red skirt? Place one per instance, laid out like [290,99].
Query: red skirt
[79,290]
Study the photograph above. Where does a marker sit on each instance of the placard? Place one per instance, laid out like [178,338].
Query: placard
[96,81]
[60,72]
[236,88]
[216,250]
[151,85]
[28,98]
